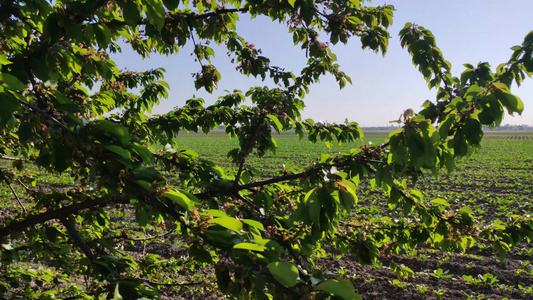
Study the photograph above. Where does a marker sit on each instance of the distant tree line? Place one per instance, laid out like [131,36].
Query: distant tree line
[509,127]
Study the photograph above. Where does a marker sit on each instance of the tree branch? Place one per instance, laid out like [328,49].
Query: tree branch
[273,180]
[239,172]
[219,12]
[212,193]
[77,237]
[17,226]
[177,17]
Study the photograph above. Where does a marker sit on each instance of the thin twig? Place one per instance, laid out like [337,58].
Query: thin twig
[75,79]
[12,190]
[46,115]
[24,186]
[11,158]
[195,45]
[150,237]
[39,99]
[171,284]
[273,180]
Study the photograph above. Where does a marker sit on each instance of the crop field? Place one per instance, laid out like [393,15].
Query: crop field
[504,135]
[496,182]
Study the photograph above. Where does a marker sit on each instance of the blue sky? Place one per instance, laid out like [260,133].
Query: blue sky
[467,31]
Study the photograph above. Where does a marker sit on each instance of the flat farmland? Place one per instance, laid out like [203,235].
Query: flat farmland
[496,182]
[291,150]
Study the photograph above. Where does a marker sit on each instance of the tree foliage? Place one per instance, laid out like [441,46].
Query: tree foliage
[67,108]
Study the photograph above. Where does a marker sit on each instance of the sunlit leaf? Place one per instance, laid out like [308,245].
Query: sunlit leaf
[180,199]
[11,82]
[284,272]
[250,246]
[342,289]
[229,223]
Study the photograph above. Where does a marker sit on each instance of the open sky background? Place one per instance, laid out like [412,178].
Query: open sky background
[467,31]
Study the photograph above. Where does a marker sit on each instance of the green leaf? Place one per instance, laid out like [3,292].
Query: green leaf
[214,212]
[103,37]
[254,224]
[510,101]
[171,4]
[284,272]
[8,105]
[277,124]
[291,3]
[130,13]
[200,254]
[250,246]
[4,60]
[11,82]
[440,202]
[52,233]
[502,248]
[116,294]
[125,154]
[229,223]
[148,174]
[142,215]
[180,199]
[473,131]
[460,147]
[445,126]
[466,209]
[155,12]
[144,153]
[223,237]
[342,289]
[314,206]
[223,277]
[347,195]
[114,130]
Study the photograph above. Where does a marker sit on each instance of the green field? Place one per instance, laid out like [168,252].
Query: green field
[291,150]
[496,182]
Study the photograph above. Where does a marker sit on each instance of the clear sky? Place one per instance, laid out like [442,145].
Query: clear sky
[467,31]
